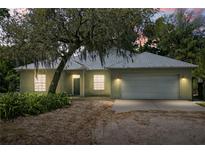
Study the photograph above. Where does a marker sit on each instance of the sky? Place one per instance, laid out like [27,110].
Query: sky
[162,10]
[171,10]
[166,11]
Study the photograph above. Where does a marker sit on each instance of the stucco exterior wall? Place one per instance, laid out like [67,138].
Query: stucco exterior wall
[66,82]
[185,79]
[112,81]
[27,80]
[86,83]
[89,90]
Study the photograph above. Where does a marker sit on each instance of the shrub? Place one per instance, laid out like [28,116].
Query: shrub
[13,105]
[201,104]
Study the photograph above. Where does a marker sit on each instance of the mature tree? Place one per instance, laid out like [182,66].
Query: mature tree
[4,13]
[181,36]
[9,79]
[50,34]
[8,76]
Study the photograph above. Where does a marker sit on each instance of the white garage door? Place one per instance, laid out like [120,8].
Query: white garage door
[149,87]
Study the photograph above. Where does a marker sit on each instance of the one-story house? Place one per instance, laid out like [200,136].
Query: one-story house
[143,76]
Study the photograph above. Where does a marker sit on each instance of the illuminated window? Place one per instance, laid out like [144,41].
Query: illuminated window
[40,82]
[99,81]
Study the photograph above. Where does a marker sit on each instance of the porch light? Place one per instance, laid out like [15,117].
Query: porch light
[75,76]
[117,79]
[183,77]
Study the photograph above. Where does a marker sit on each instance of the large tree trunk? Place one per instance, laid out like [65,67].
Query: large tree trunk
[57,75]
[59,69]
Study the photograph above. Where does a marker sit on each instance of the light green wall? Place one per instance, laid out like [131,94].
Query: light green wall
[89,91]
[86,83]
[66,82]
[185,85]
[27,80]
[112,81]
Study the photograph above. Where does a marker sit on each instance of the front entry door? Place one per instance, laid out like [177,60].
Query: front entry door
[76,86]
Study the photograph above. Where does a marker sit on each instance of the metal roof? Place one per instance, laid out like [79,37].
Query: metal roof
[115,61]
[71,65]
[150,60]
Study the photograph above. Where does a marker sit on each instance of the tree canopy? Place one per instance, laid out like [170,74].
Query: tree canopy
[49,34]
[180,35]
[8,76]
[4,13]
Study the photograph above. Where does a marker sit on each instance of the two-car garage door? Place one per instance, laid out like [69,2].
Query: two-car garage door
[135,86]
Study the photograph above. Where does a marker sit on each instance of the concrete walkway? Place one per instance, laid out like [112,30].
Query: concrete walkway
[163,105]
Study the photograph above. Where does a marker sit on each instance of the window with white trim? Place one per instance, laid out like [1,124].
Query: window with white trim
[40,82]
[99,82]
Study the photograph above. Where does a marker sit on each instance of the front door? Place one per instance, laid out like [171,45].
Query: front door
[76,86]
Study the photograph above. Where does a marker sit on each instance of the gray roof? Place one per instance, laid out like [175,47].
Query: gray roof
[150,60]
[71,65]
[115,61]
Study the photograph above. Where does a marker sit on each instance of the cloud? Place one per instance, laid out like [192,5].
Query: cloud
[167,9]
[197,11]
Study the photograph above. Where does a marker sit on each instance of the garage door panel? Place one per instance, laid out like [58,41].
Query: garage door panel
[149,87]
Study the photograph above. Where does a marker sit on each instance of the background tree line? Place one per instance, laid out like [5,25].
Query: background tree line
[9,79]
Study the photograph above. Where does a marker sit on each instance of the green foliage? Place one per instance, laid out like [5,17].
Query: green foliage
[49,34]
[13,105]
[4,13]
[180,35]
[53,33]
[9,79]
[8,76]
[201,104]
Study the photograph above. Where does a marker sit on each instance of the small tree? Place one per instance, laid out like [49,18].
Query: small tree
[50,34]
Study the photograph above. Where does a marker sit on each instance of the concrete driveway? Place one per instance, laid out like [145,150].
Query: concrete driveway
[163,105]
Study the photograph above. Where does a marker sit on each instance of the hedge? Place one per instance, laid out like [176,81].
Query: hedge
[13,105]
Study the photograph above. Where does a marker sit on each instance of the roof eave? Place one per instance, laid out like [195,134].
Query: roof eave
[150,67]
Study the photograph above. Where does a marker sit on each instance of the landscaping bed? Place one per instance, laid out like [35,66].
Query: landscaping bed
[13,105]
[201,104]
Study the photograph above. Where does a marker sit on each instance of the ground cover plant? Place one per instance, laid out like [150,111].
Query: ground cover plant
[13,105]
[201,104]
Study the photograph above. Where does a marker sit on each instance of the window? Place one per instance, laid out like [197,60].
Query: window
[99,81]
[40,82]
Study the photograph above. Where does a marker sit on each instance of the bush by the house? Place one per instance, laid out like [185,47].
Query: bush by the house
[201,104]
[13,105]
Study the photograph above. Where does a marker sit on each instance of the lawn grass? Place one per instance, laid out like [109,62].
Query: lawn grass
[201,104]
